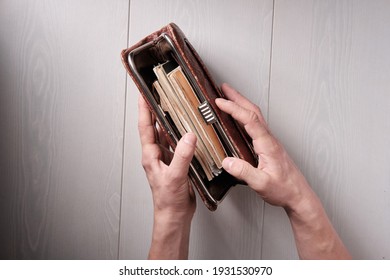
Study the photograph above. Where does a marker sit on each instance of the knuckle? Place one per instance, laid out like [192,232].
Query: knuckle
[146,163]
[183,153]
[242,170]
[275,147]
[173,179]
[266,181]
[253,126]
[148,158]
[236,112]
[142,127]
[253,118]
[256,109]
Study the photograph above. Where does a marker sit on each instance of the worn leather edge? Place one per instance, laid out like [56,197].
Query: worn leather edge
[210,91]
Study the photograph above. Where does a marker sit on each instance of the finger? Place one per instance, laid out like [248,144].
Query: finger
[250,120]
[151,152]
[236,97]
[145,123]
[263,141]
[244,171]
[184,153]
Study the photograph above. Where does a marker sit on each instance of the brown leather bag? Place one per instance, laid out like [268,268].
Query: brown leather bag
[169,43]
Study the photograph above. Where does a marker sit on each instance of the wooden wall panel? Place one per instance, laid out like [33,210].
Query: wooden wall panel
[61,120]
[233,38]
[329,104]
[68,122]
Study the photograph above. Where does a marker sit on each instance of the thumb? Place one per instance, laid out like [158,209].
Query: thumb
[244,171]
[183,155]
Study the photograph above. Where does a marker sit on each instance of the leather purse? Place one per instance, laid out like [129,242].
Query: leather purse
[169,44]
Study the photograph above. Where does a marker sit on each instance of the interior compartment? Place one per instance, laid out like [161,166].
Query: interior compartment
[145,59]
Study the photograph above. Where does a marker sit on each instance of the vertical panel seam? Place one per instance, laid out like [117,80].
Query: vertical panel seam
[268,108]
[270,61]
[124,136]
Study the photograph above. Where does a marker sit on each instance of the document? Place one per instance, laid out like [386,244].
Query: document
[179,100]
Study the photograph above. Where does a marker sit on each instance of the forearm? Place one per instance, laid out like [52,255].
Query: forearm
[314,234]
[170,238]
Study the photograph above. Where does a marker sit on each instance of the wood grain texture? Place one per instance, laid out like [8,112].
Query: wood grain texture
[233,38]
[62,112]
[62,109]
[329,103]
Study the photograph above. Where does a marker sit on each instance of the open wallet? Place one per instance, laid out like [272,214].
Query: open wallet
[181,94]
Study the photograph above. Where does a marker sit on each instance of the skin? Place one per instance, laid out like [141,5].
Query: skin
[173,198]
[276,179]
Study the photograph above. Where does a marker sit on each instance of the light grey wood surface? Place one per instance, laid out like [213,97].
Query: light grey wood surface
[71,182]
[223,36]
[61,118]
[329,105]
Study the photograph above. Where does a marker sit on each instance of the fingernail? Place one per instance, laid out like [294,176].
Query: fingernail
[219,100]
[227,163]
[226,85]
[189,138]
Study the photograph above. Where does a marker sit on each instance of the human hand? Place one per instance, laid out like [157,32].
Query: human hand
[173,198]
[172,193]
[276,178]
[279,182]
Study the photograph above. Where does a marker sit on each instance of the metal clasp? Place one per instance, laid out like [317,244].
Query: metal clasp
[207,113]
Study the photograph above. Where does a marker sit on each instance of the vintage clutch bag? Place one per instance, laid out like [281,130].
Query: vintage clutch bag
[181,94]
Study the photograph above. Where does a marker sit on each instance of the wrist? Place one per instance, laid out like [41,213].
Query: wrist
[306,210]
[170,238]
[172,214]
[314,234]
[304,205]
[171,218]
